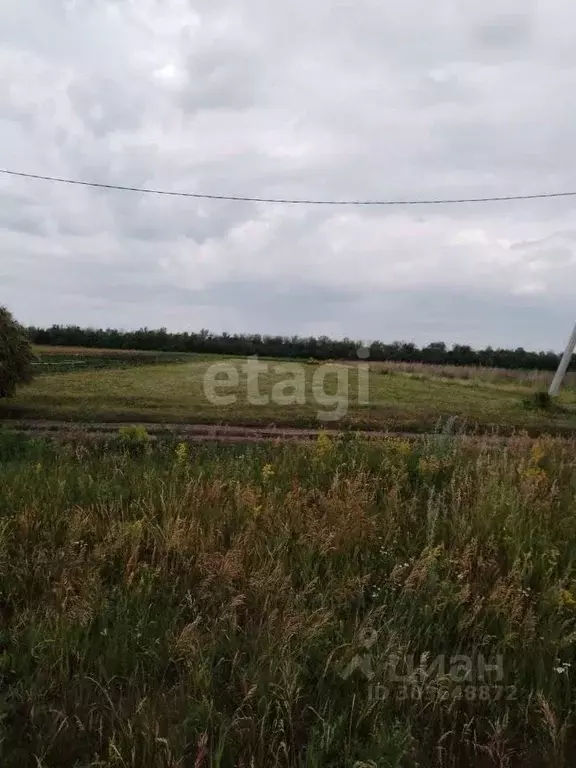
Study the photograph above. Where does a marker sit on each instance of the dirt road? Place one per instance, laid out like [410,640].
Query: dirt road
[66,430]
[184,432]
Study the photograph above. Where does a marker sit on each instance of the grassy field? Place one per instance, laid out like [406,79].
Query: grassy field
[402,397]
[263,606]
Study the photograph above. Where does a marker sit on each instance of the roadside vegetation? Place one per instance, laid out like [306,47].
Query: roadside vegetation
[172,605]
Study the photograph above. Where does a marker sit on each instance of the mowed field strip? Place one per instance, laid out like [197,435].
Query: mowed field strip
[401,398]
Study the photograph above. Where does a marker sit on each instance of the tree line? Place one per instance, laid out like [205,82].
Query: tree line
[320,348]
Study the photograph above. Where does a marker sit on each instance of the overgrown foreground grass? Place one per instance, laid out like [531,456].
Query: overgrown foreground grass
[200,607]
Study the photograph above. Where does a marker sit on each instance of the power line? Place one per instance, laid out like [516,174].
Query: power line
[286,201]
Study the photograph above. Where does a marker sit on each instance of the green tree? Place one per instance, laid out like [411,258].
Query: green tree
[16,354]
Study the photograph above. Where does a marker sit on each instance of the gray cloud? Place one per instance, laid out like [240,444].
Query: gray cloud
[326,100]
[504,31]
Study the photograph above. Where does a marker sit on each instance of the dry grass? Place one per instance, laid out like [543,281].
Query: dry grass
[524,378]
[199,607]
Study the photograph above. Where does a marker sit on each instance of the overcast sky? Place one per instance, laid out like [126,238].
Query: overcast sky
[322,99]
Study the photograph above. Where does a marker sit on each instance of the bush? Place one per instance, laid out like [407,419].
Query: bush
[16,355]
[135,438]
[540,400]
[14,446]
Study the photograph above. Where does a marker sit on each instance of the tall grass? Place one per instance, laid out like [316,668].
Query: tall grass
[200,606]
[526,378]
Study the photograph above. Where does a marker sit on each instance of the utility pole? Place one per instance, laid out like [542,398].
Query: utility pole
[563,367]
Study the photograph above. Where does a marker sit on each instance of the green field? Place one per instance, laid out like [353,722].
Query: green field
[324,604]
[412,400]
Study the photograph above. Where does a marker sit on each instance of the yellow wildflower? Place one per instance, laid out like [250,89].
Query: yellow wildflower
[402,447]
[537,452]
[182,453]
[268,472]
[566,598]
[534,476]
[323,443]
